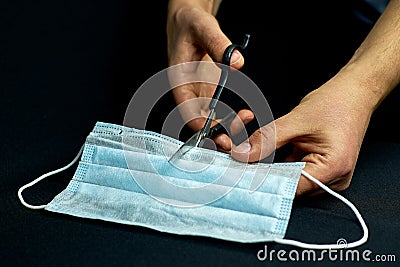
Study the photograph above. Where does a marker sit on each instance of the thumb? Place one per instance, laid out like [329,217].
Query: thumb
[214,42]
[264,141]
[258,146]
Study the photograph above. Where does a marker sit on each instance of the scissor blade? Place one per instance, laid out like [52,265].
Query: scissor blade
[205,132]
[183,149]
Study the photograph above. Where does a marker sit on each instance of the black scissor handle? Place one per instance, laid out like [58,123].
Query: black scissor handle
[222,126]
[226,61]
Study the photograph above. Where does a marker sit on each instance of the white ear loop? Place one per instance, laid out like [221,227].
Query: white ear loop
[330,246]
[41,178]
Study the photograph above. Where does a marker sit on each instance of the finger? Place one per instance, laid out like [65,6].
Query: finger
[189,110]
[238,123]
[223,142]
[243,117]
[337,184]
[267,139]
[305,187]
[315,166]
[193,109]
[215,43]
[211,38]
[223,150]
[259,145]
[296,155]
[198,122]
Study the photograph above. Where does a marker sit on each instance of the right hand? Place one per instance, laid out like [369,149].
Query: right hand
[193,34]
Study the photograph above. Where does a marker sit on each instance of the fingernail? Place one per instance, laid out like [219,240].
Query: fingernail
[243,147]
[247,119]
[236,56]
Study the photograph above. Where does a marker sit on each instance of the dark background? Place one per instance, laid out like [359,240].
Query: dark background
[66,64]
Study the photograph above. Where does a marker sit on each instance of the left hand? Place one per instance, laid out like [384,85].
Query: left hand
[327,129]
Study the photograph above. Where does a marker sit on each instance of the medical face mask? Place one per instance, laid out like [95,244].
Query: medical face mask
[124,176]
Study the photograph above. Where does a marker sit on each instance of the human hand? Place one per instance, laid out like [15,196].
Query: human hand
[194,34]
[326,129]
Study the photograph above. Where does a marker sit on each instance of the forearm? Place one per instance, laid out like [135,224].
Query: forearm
[210,6]
[376,63]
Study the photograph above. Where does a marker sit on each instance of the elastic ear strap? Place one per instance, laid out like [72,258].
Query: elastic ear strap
[330,246]
[41,178]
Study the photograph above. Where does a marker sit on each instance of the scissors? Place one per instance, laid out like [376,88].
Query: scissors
[207,131]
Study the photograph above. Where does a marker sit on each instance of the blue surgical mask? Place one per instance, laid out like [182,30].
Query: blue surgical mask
[124,176]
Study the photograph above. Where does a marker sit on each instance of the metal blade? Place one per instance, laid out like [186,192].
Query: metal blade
[195,140]
[183,149]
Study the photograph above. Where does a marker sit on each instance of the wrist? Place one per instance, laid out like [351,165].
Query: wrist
[178,7]
[370,84]
[210,6]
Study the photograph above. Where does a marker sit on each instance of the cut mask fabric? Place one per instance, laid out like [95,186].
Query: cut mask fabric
[124,176]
